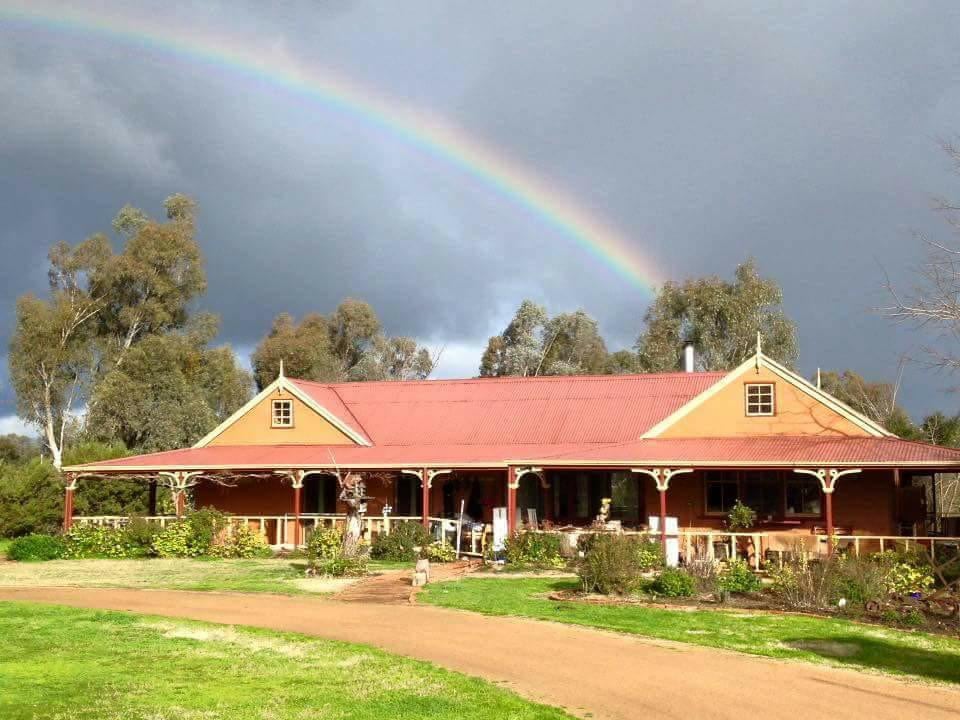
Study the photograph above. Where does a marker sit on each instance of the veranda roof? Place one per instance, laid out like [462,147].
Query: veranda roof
[782,451]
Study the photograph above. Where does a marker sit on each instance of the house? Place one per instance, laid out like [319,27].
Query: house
[684,445]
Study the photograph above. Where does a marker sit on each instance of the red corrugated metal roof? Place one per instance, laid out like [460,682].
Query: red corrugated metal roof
[767,451]
[773,450]
[555,421]
[499,411]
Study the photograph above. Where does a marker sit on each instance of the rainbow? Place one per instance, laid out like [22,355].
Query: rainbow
[420,129]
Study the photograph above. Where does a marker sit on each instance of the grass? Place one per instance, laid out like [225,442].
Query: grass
[61,662]
[4,544]
[273,575]
[798,637]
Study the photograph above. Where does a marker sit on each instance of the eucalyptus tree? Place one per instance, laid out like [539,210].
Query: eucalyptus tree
[51,355]
[720,318]
[533,343]
[349,344]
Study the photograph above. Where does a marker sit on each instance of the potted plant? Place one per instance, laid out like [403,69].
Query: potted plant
[740,519]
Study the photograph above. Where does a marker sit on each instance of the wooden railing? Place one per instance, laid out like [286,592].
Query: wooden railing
[711,544]
[279,529]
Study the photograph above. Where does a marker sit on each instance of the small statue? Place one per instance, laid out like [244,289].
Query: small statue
[604,514]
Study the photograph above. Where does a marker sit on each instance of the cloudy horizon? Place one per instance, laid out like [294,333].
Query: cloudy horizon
[807,138]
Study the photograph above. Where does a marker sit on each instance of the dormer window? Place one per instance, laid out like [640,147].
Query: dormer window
[760,399]
[282,414]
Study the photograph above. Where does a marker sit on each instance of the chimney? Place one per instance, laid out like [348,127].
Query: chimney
[688,360]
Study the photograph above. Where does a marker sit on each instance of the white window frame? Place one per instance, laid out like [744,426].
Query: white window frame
[279,418]
[760,401]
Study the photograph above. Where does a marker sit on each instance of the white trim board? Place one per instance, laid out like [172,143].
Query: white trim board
[755,362]
[282,383]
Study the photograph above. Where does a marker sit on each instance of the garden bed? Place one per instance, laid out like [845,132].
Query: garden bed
[749,602]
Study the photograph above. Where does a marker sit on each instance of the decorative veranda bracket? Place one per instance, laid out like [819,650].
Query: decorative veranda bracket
[179,481]
[70,481]
[521,471]
[827,476]
[662,476]
[418,474]
[431,474]
[295,476]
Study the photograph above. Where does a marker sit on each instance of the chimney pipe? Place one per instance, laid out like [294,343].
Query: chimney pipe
[688,360]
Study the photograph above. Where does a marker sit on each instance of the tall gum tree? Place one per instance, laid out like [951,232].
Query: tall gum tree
[51,351]
[720,318]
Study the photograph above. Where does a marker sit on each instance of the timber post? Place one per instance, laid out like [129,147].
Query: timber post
[661,477]
[296,478]
[425,500]
[513,482]
[828,483]
[70,485]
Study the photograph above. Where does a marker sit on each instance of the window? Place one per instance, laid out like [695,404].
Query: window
[803,496]
[721,491]
[282,416]
[625,497]
[759,399]
[761,491]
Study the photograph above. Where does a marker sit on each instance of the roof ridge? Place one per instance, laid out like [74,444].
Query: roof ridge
[515,379]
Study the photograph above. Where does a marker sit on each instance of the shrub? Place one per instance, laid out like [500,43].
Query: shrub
[674,582]
[611,565]
[35,548]
[400,543]
[860,580]
[31,492]
[174,541]
[738,578]
[704,574]
[241,541]
[650,554]
[805,585]
[905,579]
[341,566]
[325,555]
[92,541]
[534,548]
[324,544]
[207,526]
[141,533]
[440,552]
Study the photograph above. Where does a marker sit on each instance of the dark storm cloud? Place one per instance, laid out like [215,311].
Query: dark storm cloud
[805,138]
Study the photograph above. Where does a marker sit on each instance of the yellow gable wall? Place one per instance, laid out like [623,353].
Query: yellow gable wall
[309,427]
[796,413]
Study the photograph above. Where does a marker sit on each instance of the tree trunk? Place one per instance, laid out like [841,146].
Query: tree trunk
[352,493]
[53,443]
[351,533]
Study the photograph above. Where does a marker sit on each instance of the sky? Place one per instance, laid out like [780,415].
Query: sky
[807,136]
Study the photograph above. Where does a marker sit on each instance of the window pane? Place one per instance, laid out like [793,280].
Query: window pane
[625,497]
[721,491]
[761,492]
[759,399]
[803,497]
[583,496]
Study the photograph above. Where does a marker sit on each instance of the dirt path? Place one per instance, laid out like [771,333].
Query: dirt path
[583,670]
[394,587]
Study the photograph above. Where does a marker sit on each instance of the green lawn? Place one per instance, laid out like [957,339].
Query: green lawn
[67,663]
[4,544]
[269,575]
[273,575]
[835,641]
